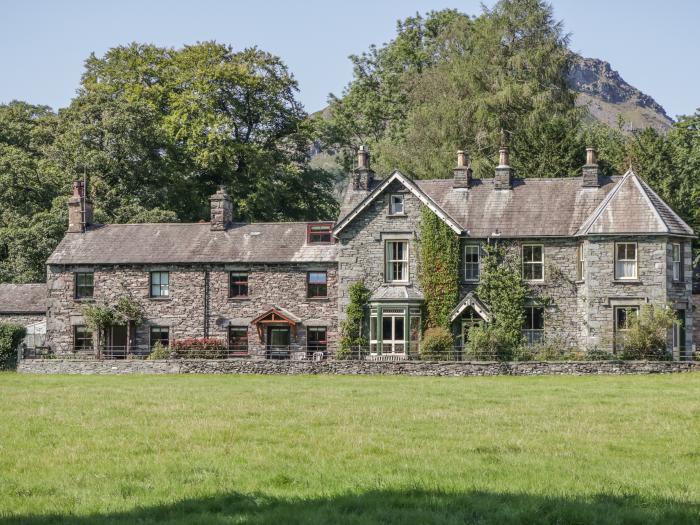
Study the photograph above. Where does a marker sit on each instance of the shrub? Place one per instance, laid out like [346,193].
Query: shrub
[159,351]
[646,334]
[11,336]
[549,349]
[353,343]
[437,344]
[597,354]
[487,342]
[199,348]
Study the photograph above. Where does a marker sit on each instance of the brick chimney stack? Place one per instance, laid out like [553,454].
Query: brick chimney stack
[591,171]
[79,209]
[221,210]
[504,173]
[463,171]
[363,176]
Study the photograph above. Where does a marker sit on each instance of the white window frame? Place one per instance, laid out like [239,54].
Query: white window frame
[618,276]
[471,263]
[395,201]
[388,346]
[391,264]
[617,343]
[534,335]
[532,263]
[677,261]
[580,263]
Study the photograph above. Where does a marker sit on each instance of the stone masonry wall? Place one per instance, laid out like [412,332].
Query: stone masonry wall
[410,368]
[283,285]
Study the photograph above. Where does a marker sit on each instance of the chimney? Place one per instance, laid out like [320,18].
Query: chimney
[504,173]
[463,171]
[591,171]
[221,210]
[79,209]
[363,176]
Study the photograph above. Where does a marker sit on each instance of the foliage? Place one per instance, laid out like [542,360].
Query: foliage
[439,268]
[550,349]
[597,354]
[449,81]
[127,310]
[437,344]
[199,348]
[11,335]
[159,351]
[353,342]
[647,332]
[501,288]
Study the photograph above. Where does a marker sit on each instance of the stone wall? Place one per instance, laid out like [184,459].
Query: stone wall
[22,319]
[410,368]
[183,311]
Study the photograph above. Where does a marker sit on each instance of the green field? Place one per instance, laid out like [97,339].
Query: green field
[349,450]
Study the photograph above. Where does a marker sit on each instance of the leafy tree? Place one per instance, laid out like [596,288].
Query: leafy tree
[646,334]
[99,317]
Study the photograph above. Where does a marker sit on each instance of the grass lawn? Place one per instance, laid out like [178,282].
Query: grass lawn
[349,450]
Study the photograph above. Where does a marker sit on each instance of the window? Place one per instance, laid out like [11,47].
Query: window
[82,339]
[393,335]
[580,275]
[238,340]
[84,285]
[397,261]
[623,315]
[533,329]
[319,233]
[316,339]
[626,260]
[396,205]
[677,261]
[238,284]
[533,262]
[317,284]
[160,334]
[471,262]
[160,284]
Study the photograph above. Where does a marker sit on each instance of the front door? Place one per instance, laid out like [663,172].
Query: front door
[278,342]
[117,341]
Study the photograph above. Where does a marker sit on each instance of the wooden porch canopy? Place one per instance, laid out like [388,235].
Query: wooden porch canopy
[471,300]
[276,316]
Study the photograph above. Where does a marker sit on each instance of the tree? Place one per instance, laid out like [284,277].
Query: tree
[451,82]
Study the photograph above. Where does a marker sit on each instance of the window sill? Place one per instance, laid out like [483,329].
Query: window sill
[627,281]
[319,299]
[534,282]
[396,215]
[580,282]
[470,281]
[159,298]
[239,299]
[84,299]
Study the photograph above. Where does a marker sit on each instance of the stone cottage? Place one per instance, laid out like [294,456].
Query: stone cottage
[598,247]
[25,305]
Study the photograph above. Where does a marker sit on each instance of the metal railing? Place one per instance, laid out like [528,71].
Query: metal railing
[362,353]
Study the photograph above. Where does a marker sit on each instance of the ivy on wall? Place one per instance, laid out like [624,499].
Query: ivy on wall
[439,269]
[502,289]
[352,340]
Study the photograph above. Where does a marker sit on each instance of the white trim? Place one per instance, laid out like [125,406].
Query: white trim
[470,300]
[636,262]
[410,186]
[532,263]
[464,262]
[389,261]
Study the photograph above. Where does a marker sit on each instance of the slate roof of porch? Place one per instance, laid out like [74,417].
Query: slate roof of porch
[23,298]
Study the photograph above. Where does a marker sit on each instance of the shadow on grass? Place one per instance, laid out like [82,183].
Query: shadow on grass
[388,507]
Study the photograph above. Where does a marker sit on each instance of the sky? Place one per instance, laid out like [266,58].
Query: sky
[43,43]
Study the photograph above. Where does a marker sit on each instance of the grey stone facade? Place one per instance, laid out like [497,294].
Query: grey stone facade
[185,311]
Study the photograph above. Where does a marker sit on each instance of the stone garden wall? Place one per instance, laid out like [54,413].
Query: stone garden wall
[409,368]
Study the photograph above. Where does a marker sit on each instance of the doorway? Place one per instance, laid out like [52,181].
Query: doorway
[278,338]
[116,343]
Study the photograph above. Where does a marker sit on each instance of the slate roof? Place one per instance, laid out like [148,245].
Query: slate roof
[23,298]
[170,243]
[396,293]
[546,207]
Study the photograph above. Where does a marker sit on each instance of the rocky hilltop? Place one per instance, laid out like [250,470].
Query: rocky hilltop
[606,95]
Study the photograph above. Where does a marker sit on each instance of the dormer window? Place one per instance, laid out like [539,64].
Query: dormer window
[396,205]
[319,233]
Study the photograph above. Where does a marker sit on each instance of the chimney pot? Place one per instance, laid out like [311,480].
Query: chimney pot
[461,159]
[503,156]
[591,157]
[503,179]
[363,176]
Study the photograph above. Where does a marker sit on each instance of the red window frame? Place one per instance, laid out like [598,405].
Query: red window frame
[319,233]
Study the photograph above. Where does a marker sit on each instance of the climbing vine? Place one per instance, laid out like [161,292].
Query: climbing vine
[353,341]
[439,269]
[501,288]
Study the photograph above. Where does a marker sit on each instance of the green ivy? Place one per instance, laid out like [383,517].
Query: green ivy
[439,269]
[352,337]
[501,288]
